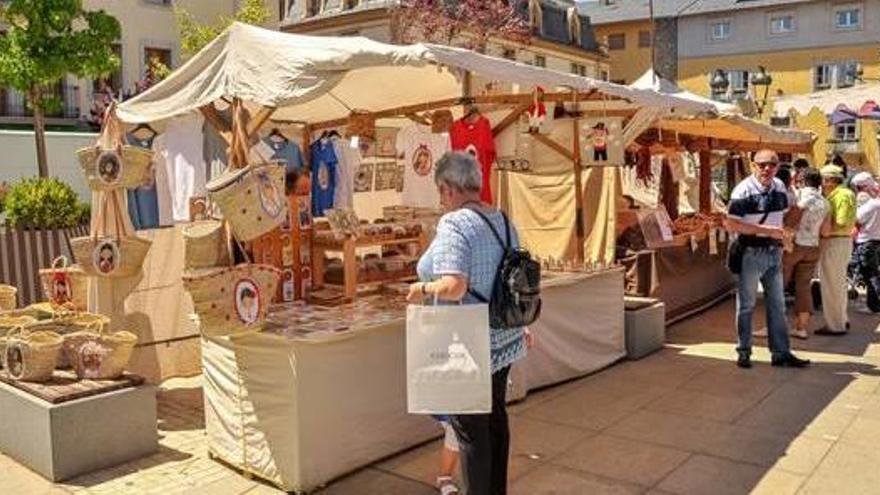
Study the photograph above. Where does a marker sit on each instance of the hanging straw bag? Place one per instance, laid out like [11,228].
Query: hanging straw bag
[31,356]
[65,285]
[251,199]
[8,301]
[111,164]
[233,300]
[206,245]
[104,256]
[97,354]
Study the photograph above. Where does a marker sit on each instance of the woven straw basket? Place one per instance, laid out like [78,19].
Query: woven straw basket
[116,256]
[127,258]
[233,300]
[110,164]
[97,354]
[31,356]
[7,323]
[207,245]
[65,285]
[66,323]
[8,300]
[251,199]
[123,167]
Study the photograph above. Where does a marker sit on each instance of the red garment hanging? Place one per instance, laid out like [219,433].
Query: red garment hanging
[476,138]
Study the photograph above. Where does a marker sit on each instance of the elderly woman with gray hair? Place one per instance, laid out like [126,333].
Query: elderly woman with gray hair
[462,260]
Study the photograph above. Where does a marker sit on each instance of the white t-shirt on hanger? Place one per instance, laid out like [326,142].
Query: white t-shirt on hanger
[419,149]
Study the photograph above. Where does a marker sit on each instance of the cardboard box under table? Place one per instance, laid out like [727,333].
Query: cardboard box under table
[300,411]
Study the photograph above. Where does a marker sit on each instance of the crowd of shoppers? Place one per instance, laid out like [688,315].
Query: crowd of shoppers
[795,222]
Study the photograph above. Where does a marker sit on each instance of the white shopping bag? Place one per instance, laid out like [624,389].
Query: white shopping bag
[448,366]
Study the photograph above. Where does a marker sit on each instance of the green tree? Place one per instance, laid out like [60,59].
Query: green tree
[46,40]
[194,35]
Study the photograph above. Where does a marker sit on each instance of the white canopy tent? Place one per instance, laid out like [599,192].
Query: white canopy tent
[651,80]
[312,79]
[828,100]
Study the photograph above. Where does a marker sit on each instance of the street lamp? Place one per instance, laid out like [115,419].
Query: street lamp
[719,84]
[761,79]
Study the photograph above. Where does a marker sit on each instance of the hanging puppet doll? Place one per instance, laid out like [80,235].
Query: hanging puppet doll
[537,111]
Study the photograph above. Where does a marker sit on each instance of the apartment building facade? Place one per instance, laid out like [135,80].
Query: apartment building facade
[149,30]
[805,45]
[563,39]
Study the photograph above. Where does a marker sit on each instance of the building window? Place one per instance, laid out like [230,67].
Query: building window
[848,17]
[159,2]
[719,30]
[509,53]
[350,4]
[603,75]
[645,39]
[617,41]
[782,24]
[352,32]
[835,75]
[738,85]
[540,61]
[579,69]
[824,76]
[162,55]
[846,132]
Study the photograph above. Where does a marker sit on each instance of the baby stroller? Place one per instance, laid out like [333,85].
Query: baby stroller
[864,273]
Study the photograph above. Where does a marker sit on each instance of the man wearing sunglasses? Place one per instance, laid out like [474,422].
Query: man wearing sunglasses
[755,213]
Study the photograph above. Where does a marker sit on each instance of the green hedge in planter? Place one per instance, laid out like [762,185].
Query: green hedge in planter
[44,203]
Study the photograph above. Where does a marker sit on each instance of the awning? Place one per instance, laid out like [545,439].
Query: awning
[827,101]
[318,78]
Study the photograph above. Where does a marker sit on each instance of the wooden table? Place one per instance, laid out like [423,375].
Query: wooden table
[64,386]
[348,247]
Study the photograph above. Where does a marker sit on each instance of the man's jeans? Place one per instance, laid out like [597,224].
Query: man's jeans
[761,264]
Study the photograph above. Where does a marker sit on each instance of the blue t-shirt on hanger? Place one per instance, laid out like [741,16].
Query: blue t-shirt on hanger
[323,176]
[286,152]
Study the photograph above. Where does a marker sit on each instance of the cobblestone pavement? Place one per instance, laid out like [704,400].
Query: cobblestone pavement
[681,421]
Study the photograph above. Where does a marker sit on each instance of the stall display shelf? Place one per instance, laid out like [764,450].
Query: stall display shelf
[348,248]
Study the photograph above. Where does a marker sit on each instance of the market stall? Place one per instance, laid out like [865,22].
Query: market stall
[330,356]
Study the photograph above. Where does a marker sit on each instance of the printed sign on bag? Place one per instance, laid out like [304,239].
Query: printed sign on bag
[109,168]
[247,301]
[14,361]
[106,257]
[271,198]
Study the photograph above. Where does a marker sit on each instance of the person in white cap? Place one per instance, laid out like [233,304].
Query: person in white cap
[836,251]
[865,187]
[865,265]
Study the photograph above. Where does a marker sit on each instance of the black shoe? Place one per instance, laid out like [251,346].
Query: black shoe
[789,361]
[744,361]
[828,331]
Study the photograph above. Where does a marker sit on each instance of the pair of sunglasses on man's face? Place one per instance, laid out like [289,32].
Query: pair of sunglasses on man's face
[769,164]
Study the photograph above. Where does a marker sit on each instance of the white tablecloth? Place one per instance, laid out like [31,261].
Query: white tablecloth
[300,413]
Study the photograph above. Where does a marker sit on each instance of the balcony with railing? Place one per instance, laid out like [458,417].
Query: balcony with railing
[15,110]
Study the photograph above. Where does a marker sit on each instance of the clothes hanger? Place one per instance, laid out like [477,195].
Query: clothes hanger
[276,133]
[144,126]
[333,133]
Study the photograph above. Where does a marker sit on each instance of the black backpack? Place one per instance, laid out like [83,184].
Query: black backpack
[516,291]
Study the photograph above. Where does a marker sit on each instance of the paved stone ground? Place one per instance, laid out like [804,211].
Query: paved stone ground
[681,421]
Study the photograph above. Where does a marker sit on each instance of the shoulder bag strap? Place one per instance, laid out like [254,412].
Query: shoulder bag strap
[504,247]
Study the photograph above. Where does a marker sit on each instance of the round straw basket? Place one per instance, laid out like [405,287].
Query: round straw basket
[65,285]
[251,199]
[128,254]
[99,355]
[107,169]
[232,300]
[31,356]
[7,323]
[206,245]
[8,300]
[66,323]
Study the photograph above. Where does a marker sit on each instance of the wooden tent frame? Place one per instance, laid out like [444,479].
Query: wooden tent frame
[244,130]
